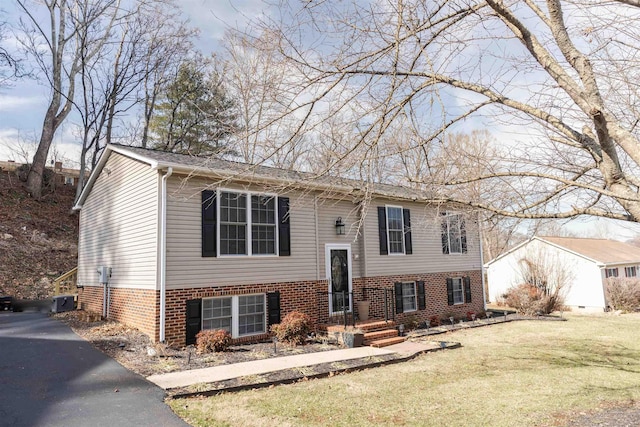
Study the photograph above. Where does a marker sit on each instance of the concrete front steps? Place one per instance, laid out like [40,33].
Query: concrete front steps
[377,333]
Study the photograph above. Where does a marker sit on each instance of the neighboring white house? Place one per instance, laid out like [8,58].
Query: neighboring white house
[585,263]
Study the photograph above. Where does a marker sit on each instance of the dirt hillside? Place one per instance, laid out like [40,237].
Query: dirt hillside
[38,239]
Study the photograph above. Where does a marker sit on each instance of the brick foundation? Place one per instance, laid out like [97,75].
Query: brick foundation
[140,308]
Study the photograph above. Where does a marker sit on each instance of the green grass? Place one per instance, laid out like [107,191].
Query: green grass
[515,374]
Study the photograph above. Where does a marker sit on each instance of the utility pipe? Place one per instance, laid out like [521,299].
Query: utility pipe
[163,251]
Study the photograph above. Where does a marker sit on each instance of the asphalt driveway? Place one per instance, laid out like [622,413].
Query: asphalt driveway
[51,377]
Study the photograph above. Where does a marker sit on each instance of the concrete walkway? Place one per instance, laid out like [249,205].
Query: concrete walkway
[256,367]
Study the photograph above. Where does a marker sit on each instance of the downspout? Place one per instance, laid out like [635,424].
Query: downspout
[163,251]
[484,296]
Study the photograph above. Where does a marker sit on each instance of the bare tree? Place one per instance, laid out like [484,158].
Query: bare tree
[141,43]
[544,281]
[9,64]
[558,77]
[76,30]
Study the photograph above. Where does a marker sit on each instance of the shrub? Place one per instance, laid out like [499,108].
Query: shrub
[623,294]
[212,340]
[434,321]
[530,300]
[293,329]
[411,322]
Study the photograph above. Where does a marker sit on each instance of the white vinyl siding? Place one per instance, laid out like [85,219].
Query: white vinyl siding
[395,230]
[187,268]
[240,315]
[427,254]
[119,225]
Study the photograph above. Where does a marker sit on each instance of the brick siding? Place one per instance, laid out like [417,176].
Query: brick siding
[140,308]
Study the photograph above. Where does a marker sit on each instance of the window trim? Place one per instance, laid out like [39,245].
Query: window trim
[249,223]
[453,285]
[235,313]
[447,215]
[402,229]
[415,296]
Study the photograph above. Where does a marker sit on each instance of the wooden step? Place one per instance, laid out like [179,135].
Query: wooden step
[387,341]
[370,337]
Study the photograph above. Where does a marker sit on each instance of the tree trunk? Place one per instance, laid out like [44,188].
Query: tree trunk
[36,173]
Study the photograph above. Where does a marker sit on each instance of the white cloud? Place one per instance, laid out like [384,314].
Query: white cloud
[13,103]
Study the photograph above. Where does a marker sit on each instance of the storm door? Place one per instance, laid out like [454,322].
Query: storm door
[339,276]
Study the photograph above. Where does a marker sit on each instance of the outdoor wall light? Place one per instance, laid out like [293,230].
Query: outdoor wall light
[339,226]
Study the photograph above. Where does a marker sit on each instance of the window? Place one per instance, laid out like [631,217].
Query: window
[250,314]
[454,235]
[239,224]
[233,224]
[630,271]
[458,291]
[216,314]
[611,272]
[409,302]
[263,225]
[240,315]
[395,230]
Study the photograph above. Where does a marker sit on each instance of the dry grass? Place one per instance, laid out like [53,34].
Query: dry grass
[516,374]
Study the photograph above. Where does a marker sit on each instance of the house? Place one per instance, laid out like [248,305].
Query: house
[171,244]
[584,264]
[63,176]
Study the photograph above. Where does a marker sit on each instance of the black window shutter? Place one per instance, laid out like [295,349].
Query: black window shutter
[209,223]
[399,305]
[467,289]
[408,246]
[284,227]
[463,235]
[194,319]
[422,304]
[444,230]
[382,230]
[273,307]
[449,291]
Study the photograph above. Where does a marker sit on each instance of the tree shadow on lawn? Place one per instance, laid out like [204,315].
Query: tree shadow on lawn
[588,353]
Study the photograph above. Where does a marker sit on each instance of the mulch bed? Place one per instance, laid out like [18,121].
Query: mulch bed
[135,351]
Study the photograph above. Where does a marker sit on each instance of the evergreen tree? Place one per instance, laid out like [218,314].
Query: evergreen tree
[193,115]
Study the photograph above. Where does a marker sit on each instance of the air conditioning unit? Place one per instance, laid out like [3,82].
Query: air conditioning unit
[63,303]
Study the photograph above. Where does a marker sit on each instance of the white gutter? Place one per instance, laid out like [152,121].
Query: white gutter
[482,267]
[163,251]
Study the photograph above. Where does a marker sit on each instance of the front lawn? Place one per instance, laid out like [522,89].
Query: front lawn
[515,374]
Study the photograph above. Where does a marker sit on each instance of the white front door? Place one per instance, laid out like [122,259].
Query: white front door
[338,270]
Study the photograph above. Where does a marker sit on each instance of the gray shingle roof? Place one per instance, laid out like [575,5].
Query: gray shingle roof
[213,166]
